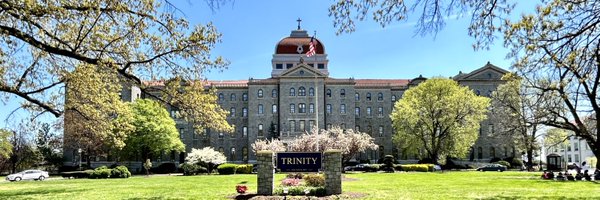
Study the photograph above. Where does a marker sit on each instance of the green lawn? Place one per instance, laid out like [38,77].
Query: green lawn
[449,185]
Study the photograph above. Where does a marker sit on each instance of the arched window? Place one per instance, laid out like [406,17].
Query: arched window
[292,92]
[292,108]
[301,108]
[274,93]
[232,112]
[221,97]
[274,108]
[369,96]
[393,98]
[245,97]
[260,130]
[260,93]
[343,93]
[244,112]
[357,128]
[479,153]
[260,109]
[232,153]
[232,97]
[380,96]
[328,93]
[311,108]
[343,108]
[311,92]
[301,91]
[245,154]
[356,96]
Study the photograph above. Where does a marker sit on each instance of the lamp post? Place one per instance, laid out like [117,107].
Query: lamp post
[79,151]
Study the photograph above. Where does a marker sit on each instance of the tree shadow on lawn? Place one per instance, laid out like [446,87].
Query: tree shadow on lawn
[535,197]
[22,193]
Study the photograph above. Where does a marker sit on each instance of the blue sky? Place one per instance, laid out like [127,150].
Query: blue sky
[251,29]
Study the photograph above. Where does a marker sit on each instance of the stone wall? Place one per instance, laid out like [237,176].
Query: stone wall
[332,170]
[265,172]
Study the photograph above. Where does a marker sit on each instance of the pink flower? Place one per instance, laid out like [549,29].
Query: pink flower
[290,182]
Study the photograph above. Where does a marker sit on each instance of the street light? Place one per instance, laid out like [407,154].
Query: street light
[79,151]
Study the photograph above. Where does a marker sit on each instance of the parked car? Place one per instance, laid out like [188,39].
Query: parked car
[359,167]
[492,167]
[28,175]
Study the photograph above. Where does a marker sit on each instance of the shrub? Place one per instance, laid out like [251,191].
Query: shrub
[164,168]
[244,169]
[502,162]
[101,173]
[301,190]
[120,172]
[418,167]
[372,168]
[226,168]
[101,167]
[296,175]
[314,180]
[398,167]
[192,169]
[290,182]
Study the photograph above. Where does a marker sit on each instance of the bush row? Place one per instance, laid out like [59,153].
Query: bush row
[105,172]
[230,168]
[415,167]
[301,190]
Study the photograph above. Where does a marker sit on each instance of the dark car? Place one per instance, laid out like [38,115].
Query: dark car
[493,167]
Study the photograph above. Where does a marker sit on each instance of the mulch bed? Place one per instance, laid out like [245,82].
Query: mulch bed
[345,195]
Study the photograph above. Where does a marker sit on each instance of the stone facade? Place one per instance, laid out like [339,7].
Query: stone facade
[265,172]
[332,171]
[300,93]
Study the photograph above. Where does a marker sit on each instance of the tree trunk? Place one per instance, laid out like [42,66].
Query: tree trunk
[530,158]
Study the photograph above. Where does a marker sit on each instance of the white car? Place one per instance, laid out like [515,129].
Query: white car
[28,175]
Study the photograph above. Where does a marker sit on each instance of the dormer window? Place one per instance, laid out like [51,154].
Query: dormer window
[311,65]
[321,66]
[278,66]
[289,65]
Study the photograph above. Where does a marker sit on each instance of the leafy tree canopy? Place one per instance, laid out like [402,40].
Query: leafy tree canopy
[439,117]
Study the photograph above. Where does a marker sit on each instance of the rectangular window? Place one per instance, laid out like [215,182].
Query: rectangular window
[369,111]
[311,123]
[292,126]
[260,130]
[576,158]
[292,108]
[576,146]
[321,66]
[302,124]
[311,65]
[343,108]
[260,109]
[380,131]
[568,147]
[380,112]
[491,128]
[244,112]
[274,108]
[357,111]
[569,158]
[301,108]
[311,108]
[278,66]
[289,65]
[181,135]
[328,108]
[245,131]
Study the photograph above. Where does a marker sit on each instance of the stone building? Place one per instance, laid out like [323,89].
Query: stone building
[300,93]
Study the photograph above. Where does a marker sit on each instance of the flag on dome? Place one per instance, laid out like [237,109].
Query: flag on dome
[311,47]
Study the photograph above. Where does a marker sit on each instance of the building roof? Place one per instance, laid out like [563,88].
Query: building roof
[291,44]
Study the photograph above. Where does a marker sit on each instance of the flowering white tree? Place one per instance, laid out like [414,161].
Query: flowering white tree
[206,157]
[349,141]
[274,145]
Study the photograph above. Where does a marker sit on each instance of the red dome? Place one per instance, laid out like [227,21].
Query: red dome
[289,45]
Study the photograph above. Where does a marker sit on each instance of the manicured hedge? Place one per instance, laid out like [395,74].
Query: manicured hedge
[105,172]
[418,167]
[227,168]
[244,169]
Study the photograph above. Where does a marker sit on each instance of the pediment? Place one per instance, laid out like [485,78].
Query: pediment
[487,72]
[302,70]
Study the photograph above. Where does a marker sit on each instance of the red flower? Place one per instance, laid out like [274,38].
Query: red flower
[241,189]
